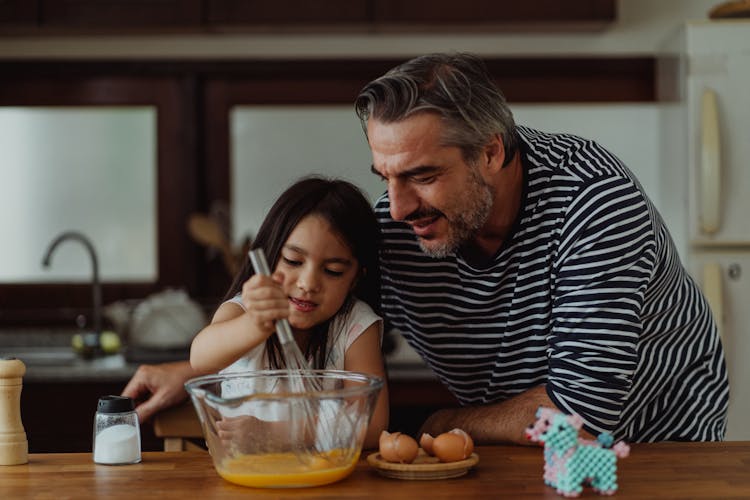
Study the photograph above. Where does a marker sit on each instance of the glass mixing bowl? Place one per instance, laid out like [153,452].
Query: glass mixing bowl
[262,434]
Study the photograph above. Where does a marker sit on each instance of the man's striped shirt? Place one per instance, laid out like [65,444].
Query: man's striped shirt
[587,295]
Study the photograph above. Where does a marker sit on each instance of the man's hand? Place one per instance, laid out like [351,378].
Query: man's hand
[157,387]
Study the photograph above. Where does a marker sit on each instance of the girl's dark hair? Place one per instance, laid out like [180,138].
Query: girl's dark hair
[350,215]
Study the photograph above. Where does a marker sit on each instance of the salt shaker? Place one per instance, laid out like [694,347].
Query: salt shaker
[14,448]
[117,435]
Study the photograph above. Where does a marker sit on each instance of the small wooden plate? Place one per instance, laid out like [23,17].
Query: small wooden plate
[424,467]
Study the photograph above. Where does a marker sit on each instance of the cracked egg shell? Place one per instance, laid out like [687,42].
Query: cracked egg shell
[453,446]
[397,447]
[426,442]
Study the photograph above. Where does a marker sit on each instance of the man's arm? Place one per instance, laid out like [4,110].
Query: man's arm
[496,423]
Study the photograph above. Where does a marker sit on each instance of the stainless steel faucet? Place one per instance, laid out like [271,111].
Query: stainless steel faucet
[90,341]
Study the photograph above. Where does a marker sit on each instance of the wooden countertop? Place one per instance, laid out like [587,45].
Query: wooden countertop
[664,470]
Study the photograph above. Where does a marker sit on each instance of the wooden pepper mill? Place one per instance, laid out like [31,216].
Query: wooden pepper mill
[14,448]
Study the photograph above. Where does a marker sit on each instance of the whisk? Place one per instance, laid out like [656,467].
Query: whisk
[293,357]
[301,380]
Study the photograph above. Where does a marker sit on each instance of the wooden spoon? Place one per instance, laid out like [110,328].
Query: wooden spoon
[206,231]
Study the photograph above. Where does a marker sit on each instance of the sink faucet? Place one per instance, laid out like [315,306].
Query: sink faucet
[90,341]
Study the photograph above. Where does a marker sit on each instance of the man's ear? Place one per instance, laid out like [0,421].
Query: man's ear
[494,153]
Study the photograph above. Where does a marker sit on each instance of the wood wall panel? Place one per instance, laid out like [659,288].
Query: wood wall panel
[21,13]
[200,16]
[287,12]
[121,14]
[548,13]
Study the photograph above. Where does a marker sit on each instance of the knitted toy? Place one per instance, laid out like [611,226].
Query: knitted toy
[570,461]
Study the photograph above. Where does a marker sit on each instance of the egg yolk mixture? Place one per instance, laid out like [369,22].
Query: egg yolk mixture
[285,470]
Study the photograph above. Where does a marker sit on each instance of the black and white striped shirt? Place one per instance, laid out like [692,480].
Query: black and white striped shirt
[588,296]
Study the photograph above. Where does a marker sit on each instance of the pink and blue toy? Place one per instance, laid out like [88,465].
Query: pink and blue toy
[571,461]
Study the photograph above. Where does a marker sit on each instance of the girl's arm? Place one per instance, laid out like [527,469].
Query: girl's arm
[223,341]
[234,331]
[365,355]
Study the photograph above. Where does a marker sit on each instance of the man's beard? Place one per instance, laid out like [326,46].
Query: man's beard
[469,212]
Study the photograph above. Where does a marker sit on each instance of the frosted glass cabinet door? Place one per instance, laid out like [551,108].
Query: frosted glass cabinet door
[85,169]
[272,146]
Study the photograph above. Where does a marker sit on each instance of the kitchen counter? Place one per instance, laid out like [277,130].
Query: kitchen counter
[663,470]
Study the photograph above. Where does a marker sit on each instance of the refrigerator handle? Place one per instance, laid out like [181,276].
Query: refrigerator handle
[710,164]
[712,289]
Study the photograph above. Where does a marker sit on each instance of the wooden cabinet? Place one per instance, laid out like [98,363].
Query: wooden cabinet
[21,13]
[122,14]
[426,14]
[528,14]
[97,16]
[287,13]
[413,400]
[59,417]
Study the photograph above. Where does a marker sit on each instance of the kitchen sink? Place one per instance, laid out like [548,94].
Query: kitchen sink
[50,358]
[41,356]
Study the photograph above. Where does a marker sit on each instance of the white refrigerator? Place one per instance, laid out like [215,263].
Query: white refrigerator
[704,78]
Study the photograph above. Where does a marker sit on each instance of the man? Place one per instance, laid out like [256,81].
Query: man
[530,269]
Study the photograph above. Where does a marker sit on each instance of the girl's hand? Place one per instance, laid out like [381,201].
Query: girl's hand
[239,431]
[265,301]
[248,434]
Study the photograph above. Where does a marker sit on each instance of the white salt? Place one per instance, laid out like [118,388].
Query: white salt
[119,444]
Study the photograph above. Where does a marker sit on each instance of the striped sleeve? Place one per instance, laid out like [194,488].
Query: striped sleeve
[605,262]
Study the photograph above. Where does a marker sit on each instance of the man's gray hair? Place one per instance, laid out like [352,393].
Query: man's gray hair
[457,87]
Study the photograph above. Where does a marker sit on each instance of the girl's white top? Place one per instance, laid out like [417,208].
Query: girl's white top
[342,332]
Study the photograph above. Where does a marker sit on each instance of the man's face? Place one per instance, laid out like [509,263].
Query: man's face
[431,187]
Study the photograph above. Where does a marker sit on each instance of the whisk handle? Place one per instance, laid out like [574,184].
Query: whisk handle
[260,264]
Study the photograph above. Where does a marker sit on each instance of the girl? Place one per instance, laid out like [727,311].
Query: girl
[321,239]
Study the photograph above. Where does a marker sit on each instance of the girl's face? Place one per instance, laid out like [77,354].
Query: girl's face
[319,271]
